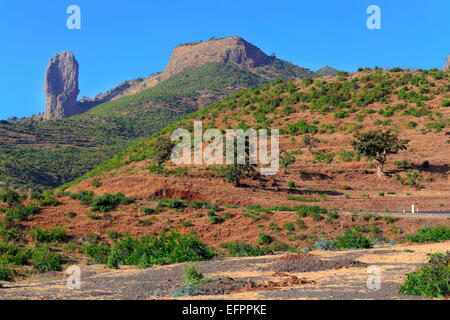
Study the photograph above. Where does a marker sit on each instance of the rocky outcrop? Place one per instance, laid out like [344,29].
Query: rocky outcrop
[232,49]
[61,87]
[447,65]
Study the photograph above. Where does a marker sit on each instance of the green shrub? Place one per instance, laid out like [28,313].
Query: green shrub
[96,183]
[71,214]
[187,224]
[172,203]
[197,204]
[389,219]
[264,239]
[317,217]
[227,215]
[10,197]
[98,252]
[289,226]
[428,234]
[300,223]
[214,218]
[432,280]
[242,249]
[11,253]
[44,260]
[304,211]
[333,214]
[353,240]
[85,197]
[21,212]
[5,273]
[112,234]
[166,248]
[192,276]
[52,235]
[94,216]
[48,199]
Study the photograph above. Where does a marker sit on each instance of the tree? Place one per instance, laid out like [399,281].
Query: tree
[286,159]
[235,172]
[310,142]
[377,145]
[162,150]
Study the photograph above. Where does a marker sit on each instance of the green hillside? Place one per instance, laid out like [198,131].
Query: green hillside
[370,99]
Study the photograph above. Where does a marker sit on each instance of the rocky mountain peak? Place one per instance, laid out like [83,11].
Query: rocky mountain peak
[231,49]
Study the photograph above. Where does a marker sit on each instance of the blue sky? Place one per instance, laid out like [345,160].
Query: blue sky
[122,40]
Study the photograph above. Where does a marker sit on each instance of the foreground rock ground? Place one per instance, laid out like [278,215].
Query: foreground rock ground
[317,275]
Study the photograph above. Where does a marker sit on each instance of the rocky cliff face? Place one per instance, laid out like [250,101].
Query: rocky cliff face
[447,64]
[231,49]
[61,87]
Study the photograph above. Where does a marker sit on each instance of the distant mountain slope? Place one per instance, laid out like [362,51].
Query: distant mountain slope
[41,154]
[192,55]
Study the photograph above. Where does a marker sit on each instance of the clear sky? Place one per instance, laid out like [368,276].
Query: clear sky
[122,40]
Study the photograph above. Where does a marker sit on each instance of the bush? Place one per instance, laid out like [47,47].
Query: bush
[21,212]
[427,234]
[317,217]
[85,197]
[96,183]
[48,199]
[44,260]
[71,214]
[10,197]
[333,214]
[192,276]
[108,202]
[11,253]
[264,238]
[172,203]
[289,226]
[167,248]
[300,223]
[98,252]
[112,234]
[242,249]
[323,244]
[5,273]
[432,280]
[213,218]
[52,235]
[304,211]
[353,240]
[197,204]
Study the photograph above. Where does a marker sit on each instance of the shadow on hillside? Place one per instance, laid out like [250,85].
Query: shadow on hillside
[268,185]
[313,175]
[431,168]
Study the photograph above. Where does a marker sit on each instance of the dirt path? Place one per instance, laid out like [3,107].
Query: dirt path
[319,275]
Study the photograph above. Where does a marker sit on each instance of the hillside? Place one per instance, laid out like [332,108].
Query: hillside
[132,212]
[234,50]
[332,109]
[37,154]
